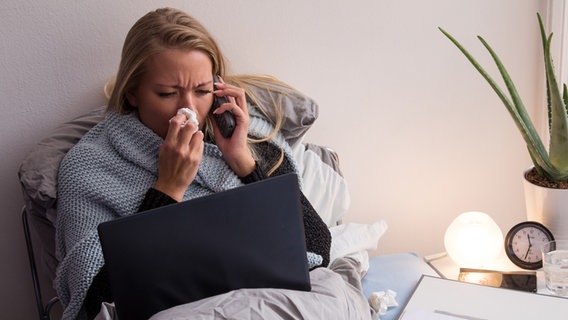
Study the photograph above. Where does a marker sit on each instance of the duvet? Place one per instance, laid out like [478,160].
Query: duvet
[336,294]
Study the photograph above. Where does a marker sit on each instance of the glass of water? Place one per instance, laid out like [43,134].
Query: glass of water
[555,265]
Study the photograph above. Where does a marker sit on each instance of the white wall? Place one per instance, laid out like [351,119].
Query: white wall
[421,136]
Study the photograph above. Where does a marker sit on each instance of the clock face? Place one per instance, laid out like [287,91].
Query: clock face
[523,244]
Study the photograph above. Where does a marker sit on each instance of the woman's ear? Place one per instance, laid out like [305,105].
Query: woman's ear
[131,99]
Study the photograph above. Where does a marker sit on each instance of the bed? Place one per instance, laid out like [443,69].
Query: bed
[387,281]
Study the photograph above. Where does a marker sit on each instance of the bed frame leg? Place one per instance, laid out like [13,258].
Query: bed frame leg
[44,311]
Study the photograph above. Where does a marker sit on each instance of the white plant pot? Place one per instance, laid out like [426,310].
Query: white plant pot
[547,206]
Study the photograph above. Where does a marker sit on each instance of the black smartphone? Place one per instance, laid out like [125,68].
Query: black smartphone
[518,280]
[226,120]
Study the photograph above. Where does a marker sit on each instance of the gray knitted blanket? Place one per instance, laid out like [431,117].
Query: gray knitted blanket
[105,176]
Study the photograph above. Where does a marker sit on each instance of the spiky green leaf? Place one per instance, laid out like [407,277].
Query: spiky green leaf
[553,163]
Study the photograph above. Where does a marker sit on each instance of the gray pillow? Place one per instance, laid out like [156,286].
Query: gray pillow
[38,171]
[299,110]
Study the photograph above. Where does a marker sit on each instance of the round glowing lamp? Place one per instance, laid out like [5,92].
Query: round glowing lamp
[473,240]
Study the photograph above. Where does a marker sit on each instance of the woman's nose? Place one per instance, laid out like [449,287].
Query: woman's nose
[186,100]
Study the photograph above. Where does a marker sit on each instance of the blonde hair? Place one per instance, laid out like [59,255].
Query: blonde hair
[158,30]
[169,28]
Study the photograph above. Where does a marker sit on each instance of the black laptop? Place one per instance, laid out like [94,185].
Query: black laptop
[248,237]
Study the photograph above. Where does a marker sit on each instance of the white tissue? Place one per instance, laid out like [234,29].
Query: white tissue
[380,301]
[191,117]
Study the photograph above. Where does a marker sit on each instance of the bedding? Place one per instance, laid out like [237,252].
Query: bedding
[322,181]
[317,166]
[356,240]
[39,169]
[133,148]
[335,291]
[398,272]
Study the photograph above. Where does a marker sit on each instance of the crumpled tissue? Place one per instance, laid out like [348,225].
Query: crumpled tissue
[191,117]
[380,301]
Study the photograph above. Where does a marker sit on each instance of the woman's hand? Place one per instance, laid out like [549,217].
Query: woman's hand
[235,149]
[179,158]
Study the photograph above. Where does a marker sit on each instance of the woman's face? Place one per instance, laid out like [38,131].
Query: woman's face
[173,79]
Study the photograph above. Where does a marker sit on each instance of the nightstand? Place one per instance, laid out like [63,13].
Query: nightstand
[448,269]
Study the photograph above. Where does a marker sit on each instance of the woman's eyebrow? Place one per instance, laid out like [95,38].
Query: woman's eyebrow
[177,86]
[204,84]
[174,86]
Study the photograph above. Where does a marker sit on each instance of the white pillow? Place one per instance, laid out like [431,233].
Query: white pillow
[324,187]
[356,240]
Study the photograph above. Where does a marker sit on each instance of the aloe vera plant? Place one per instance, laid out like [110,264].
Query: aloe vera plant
[551,164]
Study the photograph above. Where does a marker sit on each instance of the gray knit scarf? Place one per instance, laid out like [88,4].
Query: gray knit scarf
[105,176]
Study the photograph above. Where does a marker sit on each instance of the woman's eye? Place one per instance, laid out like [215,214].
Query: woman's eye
[166,94]
[203,92]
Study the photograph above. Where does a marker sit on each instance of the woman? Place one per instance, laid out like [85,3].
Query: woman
[144,154]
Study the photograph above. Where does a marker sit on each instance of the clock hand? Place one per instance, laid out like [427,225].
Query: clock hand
[529,237]
[528,250]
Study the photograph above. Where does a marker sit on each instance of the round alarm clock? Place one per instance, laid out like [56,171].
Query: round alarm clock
[523,244]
